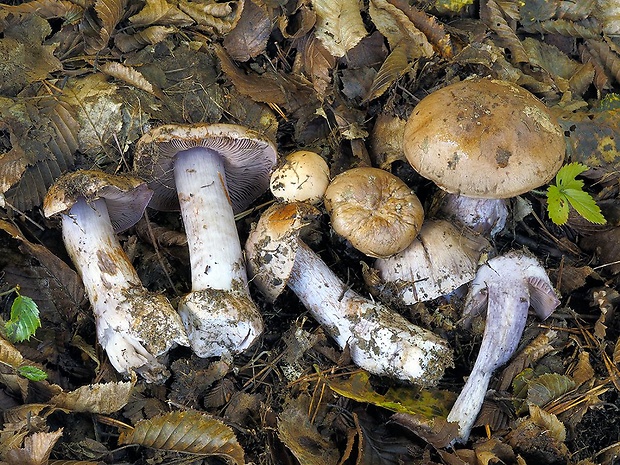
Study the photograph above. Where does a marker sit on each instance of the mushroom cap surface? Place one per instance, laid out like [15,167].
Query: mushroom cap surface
[248,159]
[375,210]
[126,196]
[441,259]
[484,138]
[303,177]
[272,245]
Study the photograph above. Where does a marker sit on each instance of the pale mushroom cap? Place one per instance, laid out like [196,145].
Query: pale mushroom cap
[303,177]
[375,210]
[272,245]
[248,158]
[485,139]
[126,196]
[441,259]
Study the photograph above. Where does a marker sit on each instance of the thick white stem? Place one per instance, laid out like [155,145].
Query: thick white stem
[134,326]
[94,248]
[380,340]
[215,252]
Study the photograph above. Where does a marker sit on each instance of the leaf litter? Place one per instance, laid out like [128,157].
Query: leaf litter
[84,80]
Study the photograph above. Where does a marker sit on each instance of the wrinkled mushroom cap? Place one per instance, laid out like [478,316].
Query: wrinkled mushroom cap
[248,159]
[440,260]
[126,196]
[303,177]
[375,210]
[272,245]
[485,139]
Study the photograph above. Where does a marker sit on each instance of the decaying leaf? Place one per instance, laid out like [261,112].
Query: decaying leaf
[548,422]
[189,431]
[212,16]
[99,23]
[68,10]
[95,398]
[249,37]
[427,403]
[302,438]
[493,16]
[130,76]
[24,58]
[150,35]
[318,64]
[547,387]
[161,12]
[395,65]
[436,431]
[36,449]
[339,25]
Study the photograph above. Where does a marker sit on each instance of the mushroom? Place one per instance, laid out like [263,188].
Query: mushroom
[373,209]
[505,287]
[484,138]
[134,326]
[483,216]
[210,171]
[380,340]
[303,177]
[441,259]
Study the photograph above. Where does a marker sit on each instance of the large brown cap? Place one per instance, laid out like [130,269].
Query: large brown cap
[248,160]
[485,139]
[126,196]
[375,210]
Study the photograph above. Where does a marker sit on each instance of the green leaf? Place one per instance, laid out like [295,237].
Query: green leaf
[24,319]
[32,373]
[568,192]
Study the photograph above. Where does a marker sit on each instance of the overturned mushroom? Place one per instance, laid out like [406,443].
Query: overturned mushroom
[505,287]
[134,326]
[441,259]
[210,171]
[373,209]
[380,340]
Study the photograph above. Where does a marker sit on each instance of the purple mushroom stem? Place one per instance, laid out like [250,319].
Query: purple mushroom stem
[506,287]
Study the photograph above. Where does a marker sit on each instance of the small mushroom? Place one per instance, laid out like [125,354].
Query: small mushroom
[134,326]
[506,286]
[210,171]
[380,340]
[376,211]
[303,177]
[441,259]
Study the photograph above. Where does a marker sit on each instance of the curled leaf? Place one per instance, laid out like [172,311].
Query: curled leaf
[130,76]
[189,431]
[339,25]
[95,398]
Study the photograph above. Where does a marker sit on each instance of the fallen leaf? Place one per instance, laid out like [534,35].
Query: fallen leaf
[36,450]
[95,398]
[249,37]
[189,431]
[339,25]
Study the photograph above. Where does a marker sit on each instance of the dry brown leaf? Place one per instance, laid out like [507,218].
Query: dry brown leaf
[299,22]
[249,38]
[582,372]
[548,422]
[48,9]
[584,29]
[608,54]
[149,36]
[36,450]
[396,26]
[318,64]
[9,355]
[395,65]
[575,11]
[493,17]
[339,25]
[386,140]
[190,431]
[302,438]
[161,12]
[130,76]
[212,16]
[95,398]
[437,432]
[99,23]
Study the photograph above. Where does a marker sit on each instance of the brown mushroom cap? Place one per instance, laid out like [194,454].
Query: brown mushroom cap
[485,139]
[375,210]
[126,196]
[248,160]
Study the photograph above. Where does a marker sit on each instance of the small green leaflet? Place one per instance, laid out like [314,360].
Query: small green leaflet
[32,373]
[24,319]
[569,191]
